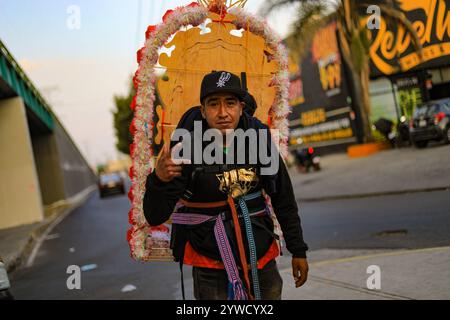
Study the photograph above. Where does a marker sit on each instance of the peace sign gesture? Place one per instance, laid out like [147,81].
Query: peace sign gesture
[166,167]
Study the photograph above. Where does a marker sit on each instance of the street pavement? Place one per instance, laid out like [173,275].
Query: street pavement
[94,234]
[94,237]
[405,235]
[386,172]
[406,221]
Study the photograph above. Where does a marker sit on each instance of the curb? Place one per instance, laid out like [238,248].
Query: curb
[339,285]
[38,235]
[367,149]
[373,194]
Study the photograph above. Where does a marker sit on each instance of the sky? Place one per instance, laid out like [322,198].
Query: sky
[79,68]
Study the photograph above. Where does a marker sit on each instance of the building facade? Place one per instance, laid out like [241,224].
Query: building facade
[400,80]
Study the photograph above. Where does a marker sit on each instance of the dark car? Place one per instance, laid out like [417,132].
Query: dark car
[431,121]
[5,294]
[110,184]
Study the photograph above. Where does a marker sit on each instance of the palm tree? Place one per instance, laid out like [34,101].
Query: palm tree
[353,37]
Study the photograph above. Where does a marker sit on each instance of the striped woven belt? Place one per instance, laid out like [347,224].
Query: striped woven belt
[226,254]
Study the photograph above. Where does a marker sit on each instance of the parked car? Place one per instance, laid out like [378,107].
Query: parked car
[5,286]
[431,121]
[111,183]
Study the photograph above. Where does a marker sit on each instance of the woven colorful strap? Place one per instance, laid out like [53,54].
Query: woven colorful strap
[228,261]
[240,243]
[191,219]
[251,246]
[236,285]
[223,245]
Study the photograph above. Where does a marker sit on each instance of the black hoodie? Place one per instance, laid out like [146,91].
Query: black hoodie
[160,199]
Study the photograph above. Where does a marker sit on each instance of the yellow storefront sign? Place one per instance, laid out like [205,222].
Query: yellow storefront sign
[388,47]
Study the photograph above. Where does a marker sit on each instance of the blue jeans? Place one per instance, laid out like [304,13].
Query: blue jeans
[212,284]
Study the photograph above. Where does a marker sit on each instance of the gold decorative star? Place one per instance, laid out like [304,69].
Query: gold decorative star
[228,3]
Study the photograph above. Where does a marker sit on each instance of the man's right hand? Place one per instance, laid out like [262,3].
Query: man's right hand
[166,169]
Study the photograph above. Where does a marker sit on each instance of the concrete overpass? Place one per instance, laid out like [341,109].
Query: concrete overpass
[40,165]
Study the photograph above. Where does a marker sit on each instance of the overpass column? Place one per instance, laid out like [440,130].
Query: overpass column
[20,195]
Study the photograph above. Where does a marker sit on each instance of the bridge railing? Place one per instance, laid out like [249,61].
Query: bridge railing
[19,82]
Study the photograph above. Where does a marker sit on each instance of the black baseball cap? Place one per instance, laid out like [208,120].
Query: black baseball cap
[221,81]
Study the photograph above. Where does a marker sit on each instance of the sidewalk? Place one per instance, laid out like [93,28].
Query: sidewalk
[18,244]
[405,275]
[387,172]
[15,241]
[336,274]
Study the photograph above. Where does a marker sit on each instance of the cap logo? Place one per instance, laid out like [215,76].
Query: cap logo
[224,77]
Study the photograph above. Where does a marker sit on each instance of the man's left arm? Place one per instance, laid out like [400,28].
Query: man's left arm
[286,211]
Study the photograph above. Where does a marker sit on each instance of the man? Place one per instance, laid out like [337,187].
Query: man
[223,222]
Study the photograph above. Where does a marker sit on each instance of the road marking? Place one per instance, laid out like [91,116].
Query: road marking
[39,241]
[89,267]
[128,288]
[77,201]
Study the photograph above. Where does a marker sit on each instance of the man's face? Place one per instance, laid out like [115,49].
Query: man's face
[222,111]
